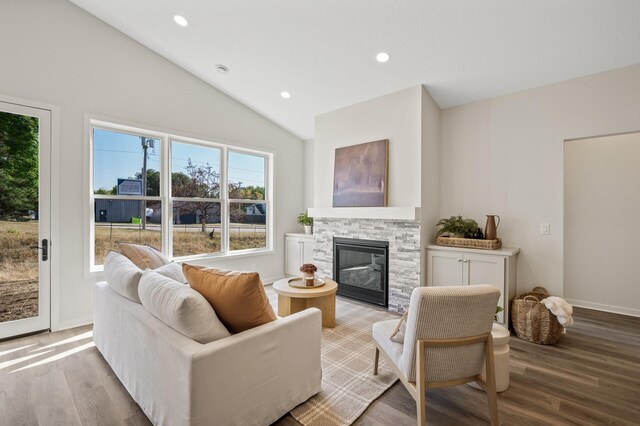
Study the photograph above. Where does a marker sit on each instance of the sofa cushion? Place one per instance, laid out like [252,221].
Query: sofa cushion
[122,275]
[143,256]
[172,270]
[238,298]
[180,307]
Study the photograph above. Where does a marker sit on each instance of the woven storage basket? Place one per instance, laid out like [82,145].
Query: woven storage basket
[532,320]
[470,243]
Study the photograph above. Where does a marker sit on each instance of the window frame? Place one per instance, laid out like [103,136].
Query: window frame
[166,199]
[267,194]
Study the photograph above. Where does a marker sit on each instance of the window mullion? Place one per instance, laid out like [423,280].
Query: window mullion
[167,203]
[224,205]
[268,196]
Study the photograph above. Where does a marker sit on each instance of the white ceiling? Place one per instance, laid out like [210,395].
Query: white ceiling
[323,51]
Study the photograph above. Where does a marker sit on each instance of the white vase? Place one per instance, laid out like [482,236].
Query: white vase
[308,229]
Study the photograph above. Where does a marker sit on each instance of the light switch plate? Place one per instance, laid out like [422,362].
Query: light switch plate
[545,229]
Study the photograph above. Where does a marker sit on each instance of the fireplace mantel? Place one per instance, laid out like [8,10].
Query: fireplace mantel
[389,213]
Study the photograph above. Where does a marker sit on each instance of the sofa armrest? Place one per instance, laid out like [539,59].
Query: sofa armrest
[256,376]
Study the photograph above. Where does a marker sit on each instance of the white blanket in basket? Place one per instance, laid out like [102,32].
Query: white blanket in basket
[560,308]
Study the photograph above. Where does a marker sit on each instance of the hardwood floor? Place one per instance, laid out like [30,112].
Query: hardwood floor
[591,377]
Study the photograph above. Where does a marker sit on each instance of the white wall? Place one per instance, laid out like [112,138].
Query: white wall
[396,117]
[430,175]
[505,156]
[308,173]
[410,119]
[601,234]
[56,53]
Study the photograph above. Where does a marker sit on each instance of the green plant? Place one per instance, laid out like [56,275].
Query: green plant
[457,226]
[305,219]
[498,310]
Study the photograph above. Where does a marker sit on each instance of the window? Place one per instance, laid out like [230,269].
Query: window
[126,191]
[247,206]
[196,197]
[185,197]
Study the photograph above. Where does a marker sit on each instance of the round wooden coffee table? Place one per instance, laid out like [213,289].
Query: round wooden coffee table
[293,299]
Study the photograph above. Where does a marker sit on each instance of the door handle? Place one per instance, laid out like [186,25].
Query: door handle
[44,248]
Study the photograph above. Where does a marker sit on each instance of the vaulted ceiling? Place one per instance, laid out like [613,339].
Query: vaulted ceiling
[323,52]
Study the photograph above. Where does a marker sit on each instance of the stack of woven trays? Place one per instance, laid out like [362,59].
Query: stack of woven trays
[470,243]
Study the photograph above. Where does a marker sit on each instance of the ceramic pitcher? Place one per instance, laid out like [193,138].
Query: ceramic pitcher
[491,228]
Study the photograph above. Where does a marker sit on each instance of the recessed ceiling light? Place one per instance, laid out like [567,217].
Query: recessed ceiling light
[382,57]
[181,20]
[285,95]
[222,69]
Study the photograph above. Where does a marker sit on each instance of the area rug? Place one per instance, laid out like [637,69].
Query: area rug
[348,383]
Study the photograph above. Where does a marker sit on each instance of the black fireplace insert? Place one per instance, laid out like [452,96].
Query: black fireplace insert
[360,267]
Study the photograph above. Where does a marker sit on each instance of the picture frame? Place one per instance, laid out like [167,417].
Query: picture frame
[361,175]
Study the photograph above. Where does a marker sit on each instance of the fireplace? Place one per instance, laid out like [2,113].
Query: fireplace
[360,267]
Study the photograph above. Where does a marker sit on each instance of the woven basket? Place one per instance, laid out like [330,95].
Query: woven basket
[470,243]
[532,320]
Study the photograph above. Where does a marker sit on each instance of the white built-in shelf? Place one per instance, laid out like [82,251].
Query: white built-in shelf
[502,251]
[389,213]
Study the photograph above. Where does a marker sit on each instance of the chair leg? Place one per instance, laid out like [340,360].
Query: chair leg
[490,381]
[376,358]
[420,384]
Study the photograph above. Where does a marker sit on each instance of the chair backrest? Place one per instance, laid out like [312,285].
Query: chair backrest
[446,313]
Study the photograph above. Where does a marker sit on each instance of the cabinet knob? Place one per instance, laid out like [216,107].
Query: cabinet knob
[459,260]
[466,260]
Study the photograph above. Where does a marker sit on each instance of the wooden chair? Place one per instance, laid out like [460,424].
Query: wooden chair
[446,341]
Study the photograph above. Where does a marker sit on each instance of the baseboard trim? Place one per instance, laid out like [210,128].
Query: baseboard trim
[65,325]
[605,308]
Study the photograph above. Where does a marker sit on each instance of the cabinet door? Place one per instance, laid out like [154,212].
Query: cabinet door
[444,268]
[293,250]
[307,250]
[483,269]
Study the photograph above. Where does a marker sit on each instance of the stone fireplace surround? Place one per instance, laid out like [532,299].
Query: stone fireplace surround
[404,250]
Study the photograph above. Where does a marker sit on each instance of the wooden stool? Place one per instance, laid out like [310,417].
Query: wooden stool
[294,299]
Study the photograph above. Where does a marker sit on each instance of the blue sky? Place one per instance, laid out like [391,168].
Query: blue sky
[119,155]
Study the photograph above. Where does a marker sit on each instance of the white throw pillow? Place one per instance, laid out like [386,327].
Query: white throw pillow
[180,307]
[122,275]
[172,270]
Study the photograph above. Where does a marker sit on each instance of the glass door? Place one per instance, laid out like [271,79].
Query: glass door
[25,144]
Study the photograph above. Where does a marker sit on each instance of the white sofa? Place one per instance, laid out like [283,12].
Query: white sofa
[250,378]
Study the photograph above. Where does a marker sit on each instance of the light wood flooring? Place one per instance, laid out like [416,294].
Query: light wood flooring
[591,377]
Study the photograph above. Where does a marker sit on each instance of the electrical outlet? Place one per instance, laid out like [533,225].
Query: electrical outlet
[545,229]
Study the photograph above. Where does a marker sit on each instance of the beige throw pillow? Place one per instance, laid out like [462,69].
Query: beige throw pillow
[144,257]
[398,334]
[238,298]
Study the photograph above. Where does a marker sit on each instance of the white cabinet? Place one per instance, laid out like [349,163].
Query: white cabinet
[459,266]
[298,251]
